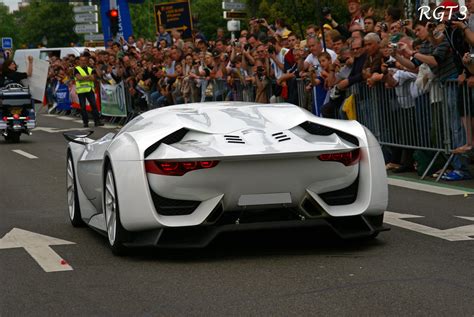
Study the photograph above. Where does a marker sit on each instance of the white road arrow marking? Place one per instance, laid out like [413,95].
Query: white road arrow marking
[37,245]
[462,233]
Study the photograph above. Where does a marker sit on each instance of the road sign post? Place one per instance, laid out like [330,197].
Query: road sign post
[86,28]
[89,17]
[234,15]
[86,19]
[84,9]
[7,42]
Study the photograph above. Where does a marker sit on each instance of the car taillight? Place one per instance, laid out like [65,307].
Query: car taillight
[27,118]
[346,158]
[5,119]
[16,116]
[176,168]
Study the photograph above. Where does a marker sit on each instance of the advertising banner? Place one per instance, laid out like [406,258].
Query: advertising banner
[113,100]
[63,102]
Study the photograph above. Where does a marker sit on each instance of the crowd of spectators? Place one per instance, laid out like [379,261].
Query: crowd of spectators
[413,58]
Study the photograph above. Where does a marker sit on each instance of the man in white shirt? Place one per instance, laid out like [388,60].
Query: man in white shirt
[315,47]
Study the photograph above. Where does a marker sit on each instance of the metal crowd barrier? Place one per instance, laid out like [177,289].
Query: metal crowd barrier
[405,117]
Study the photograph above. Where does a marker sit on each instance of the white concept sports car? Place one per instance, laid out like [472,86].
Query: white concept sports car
[178,176]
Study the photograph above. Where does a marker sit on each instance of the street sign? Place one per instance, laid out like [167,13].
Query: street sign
[83,9]
[7,42]
[175,15]
[94,37]
[233,25]
[86,28]
[237,6]
[229,15]
[90,17]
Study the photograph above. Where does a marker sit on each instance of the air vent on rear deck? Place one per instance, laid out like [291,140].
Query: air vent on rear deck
[281,137]
[317,129]
[234,139]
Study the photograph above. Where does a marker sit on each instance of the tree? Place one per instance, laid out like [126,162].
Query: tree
[143,20]
[208,16]
[41,20]
[7,24]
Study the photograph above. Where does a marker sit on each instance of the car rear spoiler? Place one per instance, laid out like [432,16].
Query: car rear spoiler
[77,136]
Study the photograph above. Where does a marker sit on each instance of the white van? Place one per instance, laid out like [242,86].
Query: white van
[44,53]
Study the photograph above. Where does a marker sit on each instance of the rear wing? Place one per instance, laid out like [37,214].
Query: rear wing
[78,136]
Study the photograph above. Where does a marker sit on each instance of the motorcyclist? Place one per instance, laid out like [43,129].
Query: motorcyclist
[11,74]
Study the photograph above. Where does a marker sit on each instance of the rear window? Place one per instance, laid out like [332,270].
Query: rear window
[45,55]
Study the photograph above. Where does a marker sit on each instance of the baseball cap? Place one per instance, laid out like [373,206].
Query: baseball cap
[448,3]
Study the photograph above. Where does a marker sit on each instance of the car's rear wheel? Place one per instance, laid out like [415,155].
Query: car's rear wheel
[72,198]
[116,234]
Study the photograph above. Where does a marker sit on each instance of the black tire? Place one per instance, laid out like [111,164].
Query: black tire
[74,209]
[121,235]
[13,137]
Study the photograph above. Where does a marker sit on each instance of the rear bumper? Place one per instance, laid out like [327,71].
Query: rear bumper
[200,236]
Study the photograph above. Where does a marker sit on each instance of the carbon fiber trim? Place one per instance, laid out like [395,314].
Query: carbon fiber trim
[344,196]
[173,207]
[170,139]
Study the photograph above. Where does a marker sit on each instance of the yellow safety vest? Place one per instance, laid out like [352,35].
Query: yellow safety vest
[83,86]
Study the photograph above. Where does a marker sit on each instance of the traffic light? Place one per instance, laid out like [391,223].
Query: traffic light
[114,21]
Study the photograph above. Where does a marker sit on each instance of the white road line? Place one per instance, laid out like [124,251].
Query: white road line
[428,188]
[65,118]
[25,154]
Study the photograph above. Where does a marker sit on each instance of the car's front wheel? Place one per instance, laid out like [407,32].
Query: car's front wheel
[116,234]
[72,198]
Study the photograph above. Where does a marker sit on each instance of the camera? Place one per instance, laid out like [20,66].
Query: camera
[271,49]
[325,11]
[247,46]
[432,25]
[457,16]
[405,22]
[384,27]
[342,60]
[394,45]
[391,64]
[293,69]
[260,72]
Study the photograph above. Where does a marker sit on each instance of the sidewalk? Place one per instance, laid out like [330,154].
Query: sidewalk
[466,185]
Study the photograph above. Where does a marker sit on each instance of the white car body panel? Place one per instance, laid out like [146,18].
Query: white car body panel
[261,168]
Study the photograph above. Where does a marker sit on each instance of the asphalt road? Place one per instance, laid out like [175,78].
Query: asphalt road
[402,272]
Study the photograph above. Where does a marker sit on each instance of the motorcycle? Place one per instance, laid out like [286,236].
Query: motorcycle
[17,112]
